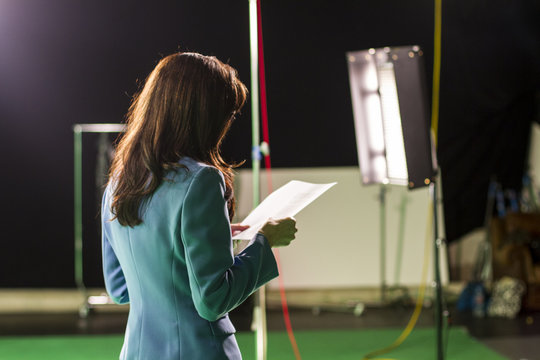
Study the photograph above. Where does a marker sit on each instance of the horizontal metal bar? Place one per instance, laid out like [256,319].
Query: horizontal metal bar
[99,128]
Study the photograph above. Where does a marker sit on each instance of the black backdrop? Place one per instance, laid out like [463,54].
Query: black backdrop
[64,62]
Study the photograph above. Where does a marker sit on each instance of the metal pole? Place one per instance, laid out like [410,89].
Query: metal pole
[255,132]
[77,210]
[259,310]
[401,237]
[78,130]
[437,274]
[382,217]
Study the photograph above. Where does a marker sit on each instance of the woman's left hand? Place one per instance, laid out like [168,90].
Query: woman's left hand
[238,228]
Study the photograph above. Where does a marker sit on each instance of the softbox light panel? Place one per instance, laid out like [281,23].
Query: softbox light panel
[391,116]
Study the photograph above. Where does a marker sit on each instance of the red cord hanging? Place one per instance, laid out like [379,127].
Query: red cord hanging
[268,166]
[262,86]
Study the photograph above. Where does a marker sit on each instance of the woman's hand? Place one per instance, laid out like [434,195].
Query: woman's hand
[238,228]
[279,232]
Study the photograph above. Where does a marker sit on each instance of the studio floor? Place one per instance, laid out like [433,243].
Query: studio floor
[517,338]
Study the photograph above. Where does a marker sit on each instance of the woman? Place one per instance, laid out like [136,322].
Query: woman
[167,247]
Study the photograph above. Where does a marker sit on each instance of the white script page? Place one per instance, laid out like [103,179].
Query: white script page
[286,201]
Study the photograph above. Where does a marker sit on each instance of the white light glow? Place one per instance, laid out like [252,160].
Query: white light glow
[393,135]
[375,134]
[100,300]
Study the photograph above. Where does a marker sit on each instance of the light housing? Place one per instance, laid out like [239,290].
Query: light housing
[391,116]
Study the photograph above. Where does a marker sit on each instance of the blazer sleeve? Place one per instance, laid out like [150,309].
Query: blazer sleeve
[219,281]
[115,282]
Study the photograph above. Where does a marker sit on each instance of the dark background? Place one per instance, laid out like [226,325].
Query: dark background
[64,62]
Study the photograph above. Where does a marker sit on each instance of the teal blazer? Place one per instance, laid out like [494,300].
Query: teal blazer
[177,269]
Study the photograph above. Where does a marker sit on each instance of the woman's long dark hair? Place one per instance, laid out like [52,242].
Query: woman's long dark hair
[184,109]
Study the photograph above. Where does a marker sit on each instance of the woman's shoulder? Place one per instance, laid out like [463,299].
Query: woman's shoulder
[192,165]
[190,169]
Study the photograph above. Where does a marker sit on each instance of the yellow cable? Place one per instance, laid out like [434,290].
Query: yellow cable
[429,231]
[436,70]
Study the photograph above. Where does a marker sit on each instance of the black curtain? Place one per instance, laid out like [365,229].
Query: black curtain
[489,82]
[64,62]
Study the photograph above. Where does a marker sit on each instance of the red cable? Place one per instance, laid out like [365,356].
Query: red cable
[267,162]
[262,85]
[285,308]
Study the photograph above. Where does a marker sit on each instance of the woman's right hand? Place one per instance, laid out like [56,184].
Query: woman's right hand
[279,232]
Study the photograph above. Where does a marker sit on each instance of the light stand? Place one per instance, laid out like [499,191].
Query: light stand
[384,288]
[259,309]
[433,188]
[382,223]
[78,130]
[394,143]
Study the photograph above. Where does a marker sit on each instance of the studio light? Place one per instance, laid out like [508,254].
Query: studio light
[391,116]
[393,137]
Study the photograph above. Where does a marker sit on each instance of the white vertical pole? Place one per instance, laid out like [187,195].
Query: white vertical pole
[259,311]
[255,154]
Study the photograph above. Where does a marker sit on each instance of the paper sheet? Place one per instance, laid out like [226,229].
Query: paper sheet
[284,202]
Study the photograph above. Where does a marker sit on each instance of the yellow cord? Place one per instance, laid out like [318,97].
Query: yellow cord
[436,70]
[429,229]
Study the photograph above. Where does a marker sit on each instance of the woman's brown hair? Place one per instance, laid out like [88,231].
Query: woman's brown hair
[185,108]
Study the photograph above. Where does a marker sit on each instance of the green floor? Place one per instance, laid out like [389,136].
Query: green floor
[314,345]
